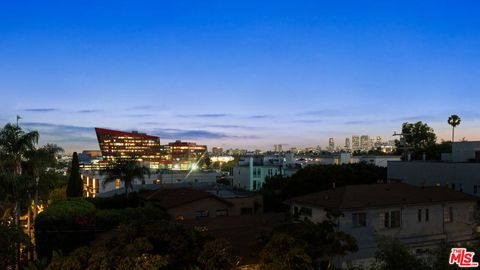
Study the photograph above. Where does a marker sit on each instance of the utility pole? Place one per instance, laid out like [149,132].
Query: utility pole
[403,143]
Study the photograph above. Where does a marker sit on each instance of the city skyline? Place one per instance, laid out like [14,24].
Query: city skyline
[236,76]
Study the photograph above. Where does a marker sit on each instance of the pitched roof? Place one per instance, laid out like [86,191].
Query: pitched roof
[170,198]
[380,195]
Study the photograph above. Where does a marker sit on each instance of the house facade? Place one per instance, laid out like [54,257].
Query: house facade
[421,218]
[190,204]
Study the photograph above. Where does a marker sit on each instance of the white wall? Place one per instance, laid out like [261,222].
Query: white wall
[464,151]
[414,234]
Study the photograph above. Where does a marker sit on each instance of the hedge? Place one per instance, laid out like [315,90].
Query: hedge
[68,224]
[64,225]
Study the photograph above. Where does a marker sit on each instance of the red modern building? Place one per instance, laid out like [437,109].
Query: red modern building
[118,144]
[176,155]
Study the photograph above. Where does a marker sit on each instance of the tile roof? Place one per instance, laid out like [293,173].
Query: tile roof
[170,198]
[380,195]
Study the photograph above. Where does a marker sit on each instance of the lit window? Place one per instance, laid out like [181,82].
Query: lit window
[201,214]
[447,214]
[117,183]
[222,212]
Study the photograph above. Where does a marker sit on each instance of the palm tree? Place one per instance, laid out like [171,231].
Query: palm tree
[127,170]
[454,120]
[14,146]
[38,162]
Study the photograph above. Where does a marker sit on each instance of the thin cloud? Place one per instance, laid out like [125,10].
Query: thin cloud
[415,118]
[204,115]
[231,126]
[357,122]
[179,134]
[139,115]
[326,112]
[88,111]
[62,133]
[258,116]
[145,108]
[41,110]
[309,121]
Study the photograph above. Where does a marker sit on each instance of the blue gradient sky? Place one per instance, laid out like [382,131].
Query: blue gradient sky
[244,74]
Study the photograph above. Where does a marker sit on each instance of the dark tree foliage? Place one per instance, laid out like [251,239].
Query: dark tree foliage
[418,137]
[68,224]
[10,237]
[317,178]
[313,244]
[64,225]
[75,184]
[284,252]
[393,255]
[150,245]
[217,255]
[118,201]
[434,151]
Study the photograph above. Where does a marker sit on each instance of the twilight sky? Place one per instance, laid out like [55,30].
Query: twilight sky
[246,74]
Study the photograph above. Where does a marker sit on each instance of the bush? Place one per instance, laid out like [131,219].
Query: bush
[116,202]
[68,224]
[109,219]
[64,225]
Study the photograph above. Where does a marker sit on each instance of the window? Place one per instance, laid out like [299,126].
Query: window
[221,212]
[201,214]
[427,215]
[419,215]
[117,183]
[246,211]
[447,214]
[395,219]
[391,219]
[359,219]
[179,217]
[306,211]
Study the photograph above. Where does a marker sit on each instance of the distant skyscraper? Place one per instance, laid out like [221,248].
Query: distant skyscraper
[355,143]
[365,143]
[331,144]
[278,148]
[347,144]
[379,142]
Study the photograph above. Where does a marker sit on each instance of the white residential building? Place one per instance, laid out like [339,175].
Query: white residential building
[95,185]
[421,218]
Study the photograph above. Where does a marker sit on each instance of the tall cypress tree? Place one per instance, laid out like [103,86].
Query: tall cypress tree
[75,184]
